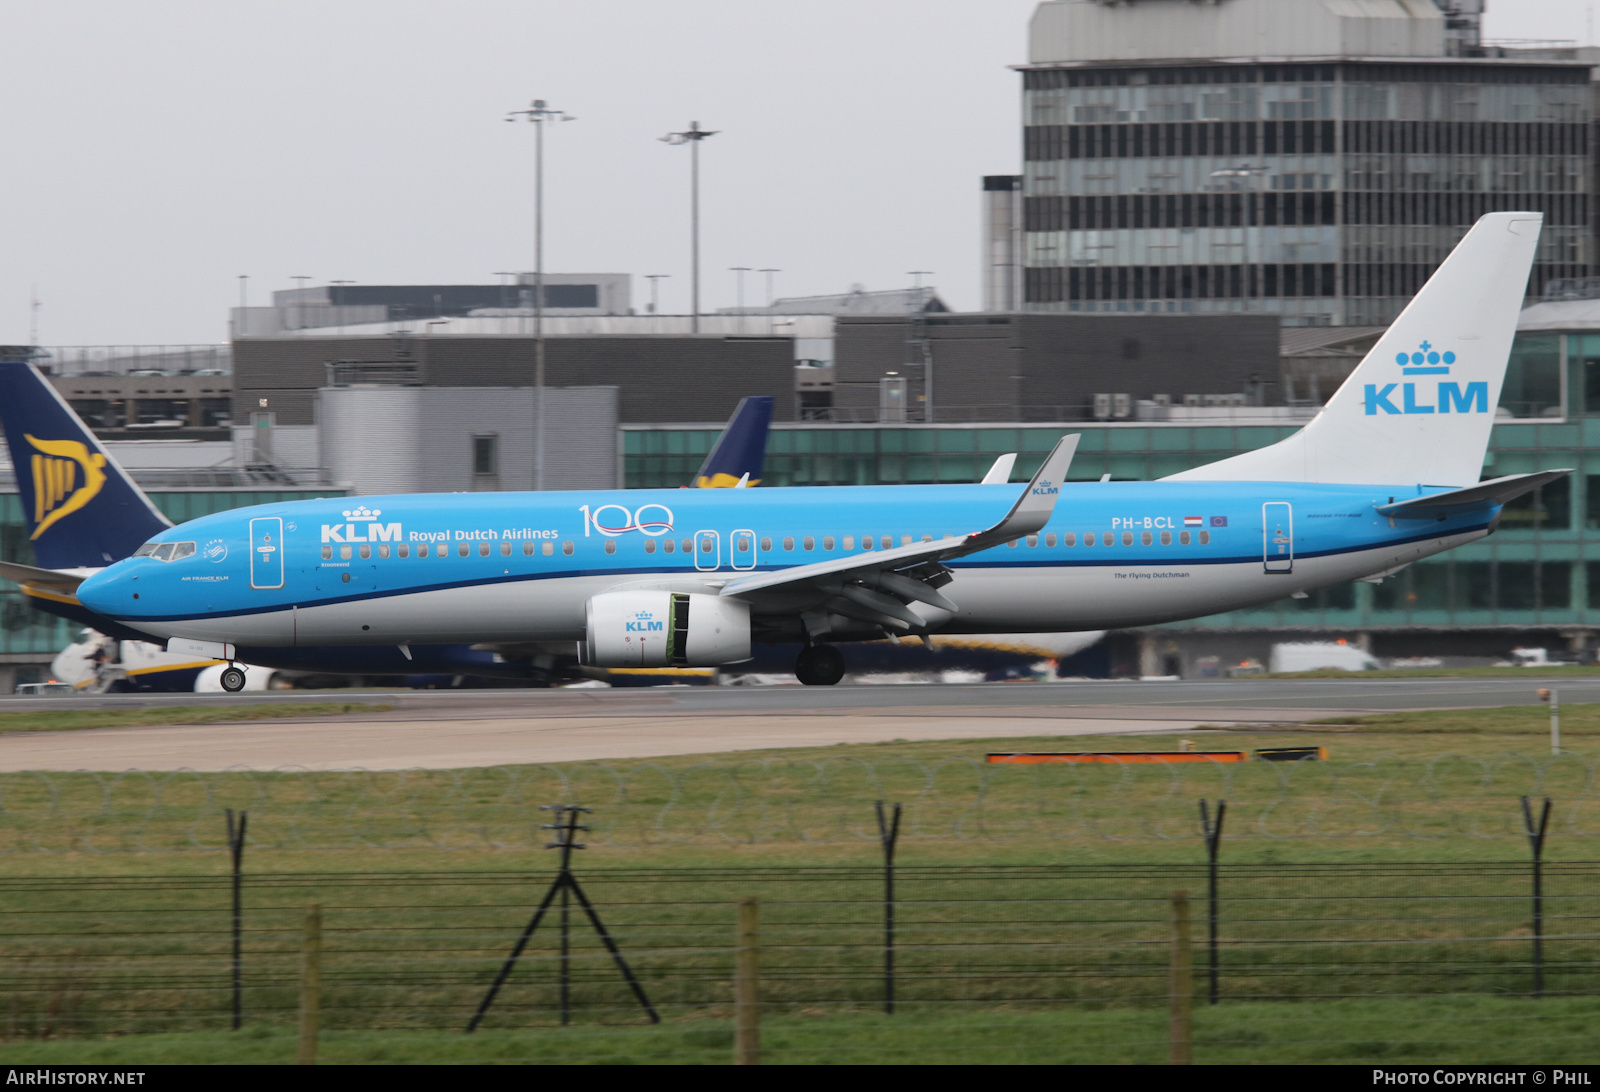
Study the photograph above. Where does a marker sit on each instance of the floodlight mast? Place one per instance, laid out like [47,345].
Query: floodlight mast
[538,113]
[692,136]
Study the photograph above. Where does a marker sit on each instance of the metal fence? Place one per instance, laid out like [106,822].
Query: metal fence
[113,956]
[961,799]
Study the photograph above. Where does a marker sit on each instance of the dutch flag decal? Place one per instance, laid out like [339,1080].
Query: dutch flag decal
[1192,521]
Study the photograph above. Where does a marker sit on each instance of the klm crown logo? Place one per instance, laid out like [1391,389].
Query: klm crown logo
[66,476]
[1427,360]
[363,513]
[1415,398]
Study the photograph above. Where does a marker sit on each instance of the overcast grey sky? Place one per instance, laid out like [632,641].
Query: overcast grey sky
[157,150]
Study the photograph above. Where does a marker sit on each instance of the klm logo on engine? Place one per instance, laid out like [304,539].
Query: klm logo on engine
[642,623]
[1445,397]
[363,527]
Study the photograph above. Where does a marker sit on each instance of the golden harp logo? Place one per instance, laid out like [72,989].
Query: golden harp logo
[66,476]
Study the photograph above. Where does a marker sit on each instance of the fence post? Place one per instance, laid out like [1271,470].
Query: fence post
[1182,986]
[310,985]
[889,835]
[746,988]
[1213,844]
[236,849]
[1536,841]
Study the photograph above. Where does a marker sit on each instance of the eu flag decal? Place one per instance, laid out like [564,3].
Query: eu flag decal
[1219,521]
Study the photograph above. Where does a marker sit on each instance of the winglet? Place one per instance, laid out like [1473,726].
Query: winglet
[1000,472]
[1033,509]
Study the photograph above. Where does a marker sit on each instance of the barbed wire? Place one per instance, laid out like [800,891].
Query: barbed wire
[803,802]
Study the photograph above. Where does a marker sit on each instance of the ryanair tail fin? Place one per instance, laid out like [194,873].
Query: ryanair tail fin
[1419,407]
[741,451]
[83,510]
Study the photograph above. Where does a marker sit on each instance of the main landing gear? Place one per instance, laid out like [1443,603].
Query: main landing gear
[819,665]
[232,679]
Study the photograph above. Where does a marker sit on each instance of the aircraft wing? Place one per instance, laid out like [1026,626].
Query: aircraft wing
[1484,494]
[876,586]
[43,578]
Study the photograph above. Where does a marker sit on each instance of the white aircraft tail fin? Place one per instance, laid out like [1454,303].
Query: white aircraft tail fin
[1419,407]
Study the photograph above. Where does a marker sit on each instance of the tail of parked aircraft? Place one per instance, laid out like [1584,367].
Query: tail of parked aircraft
[1419,407]
[741,450]
[83,510]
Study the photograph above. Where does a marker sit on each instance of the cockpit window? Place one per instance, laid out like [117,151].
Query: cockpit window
[165,551]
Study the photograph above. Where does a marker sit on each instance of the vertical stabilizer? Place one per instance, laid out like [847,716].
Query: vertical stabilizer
[1419,407]
[83,510]
[741,451]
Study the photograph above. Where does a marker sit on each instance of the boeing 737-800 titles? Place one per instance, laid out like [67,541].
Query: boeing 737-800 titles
[1387,473]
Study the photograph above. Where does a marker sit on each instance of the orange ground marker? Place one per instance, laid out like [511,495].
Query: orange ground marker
[1119,757]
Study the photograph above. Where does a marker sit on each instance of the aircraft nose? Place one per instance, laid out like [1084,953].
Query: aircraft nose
[108,592]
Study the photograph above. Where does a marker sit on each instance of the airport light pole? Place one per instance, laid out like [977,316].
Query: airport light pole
[740,271]
[537,114]
[692,136]
[769,273]
[653,278]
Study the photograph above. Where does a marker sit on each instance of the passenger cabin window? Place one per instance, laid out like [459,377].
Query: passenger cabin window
[649,545]
[505,549]
[1050,539]
[366,551]
[611,545]
[1127,538]
[463,550]
[850,543]
[566,548]
[527,549]
[1146,538]
[766,545]
[1183,538]
[344,553]
[788,543]
[1033,540]
[809,543]
[1088,538]
[549,549]
[688,546]
[1205,538]
[827,542]
[327,553]
[1166,538]
[668,545]
[405,551]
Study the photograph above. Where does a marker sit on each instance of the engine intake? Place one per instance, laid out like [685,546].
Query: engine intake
[665,629]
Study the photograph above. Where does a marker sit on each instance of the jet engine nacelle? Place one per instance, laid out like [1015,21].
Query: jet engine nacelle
[665,629]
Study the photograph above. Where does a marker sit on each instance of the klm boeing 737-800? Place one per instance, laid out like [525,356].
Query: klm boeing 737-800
[1388,472]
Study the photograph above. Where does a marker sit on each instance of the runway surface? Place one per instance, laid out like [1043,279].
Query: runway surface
[444,729]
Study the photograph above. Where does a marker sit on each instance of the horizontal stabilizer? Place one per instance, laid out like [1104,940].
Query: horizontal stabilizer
[1483,495]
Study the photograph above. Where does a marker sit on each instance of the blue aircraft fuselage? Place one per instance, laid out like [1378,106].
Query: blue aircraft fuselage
[510,568]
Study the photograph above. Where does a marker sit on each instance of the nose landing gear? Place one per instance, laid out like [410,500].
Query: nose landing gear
[232,679]
[819,665]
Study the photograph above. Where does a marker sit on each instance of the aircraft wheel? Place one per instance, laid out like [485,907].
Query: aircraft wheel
[232,680]
[819,665]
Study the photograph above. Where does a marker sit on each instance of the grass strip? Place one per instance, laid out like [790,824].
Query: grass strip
[1530,721]
[1437,1030]
[67,720]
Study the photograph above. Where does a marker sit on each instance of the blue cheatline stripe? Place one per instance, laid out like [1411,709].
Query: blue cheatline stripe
[1043,563]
